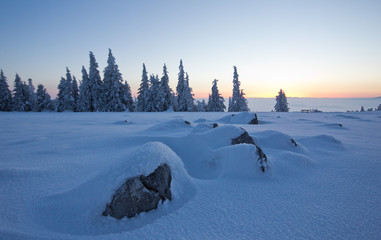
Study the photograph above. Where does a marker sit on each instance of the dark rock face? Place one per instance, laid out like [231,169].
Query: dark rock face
[245,138]
[141,194]
[215,125]
[254,120]
[293,142]
[188,123]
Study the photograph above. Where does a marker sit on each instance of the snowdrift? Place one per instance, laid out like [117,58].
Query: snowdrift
[239,118]
[79,210]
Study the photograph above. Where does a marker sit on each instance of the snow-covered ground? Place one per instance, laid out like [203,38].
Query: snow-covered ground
[58,171]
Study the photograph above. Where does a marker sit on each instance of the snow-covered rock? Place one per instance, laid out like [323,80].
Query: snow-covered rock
[240,118]
[141,194]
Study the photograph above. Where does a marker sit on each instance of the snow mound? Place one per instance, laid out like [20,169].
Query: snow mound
[322,143]
[275,140]
[78,210]
[176,126]
[237,161]
[240,118]
[220,136]
[202,127]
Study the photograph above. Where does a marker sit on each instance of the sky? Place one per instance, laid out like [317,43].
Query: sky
[325,48]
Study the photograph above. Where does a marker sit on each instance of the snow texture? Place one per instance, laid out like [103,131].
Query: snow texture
[58,171]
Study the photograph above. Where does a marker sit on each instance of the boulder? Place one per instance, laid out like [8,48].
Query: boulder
[254,120]
[293,142]
[215,125]
[245,138]
[140,194]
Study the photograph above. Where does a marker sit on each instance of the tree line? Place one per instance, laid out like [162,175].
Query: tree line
[113,94]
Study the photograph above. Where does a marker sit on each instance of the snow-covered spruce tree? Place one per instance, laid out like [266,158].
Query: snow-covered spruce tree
[32,100]
[242,102]
[379,108]
[5,94]
[65,100]
[43,99]
[113,87]
[237,103]
[362,109]
[167,91]
[188,94]
[18,95]
[281,102]
[233,103]
[69,98]
[61,95]
[180,90]
[85,97]
[75,94]
[143,91]
[26,97]
[95,86]
[127,97]
[155,100]
[201,106]
[216,101]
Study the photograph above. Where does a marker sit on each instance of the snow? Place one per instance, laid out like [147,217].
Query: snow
[58,171]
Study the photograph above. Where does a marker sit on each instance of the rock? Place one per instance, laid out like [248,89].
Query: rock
[293,142]
[215,125]
[262,159]
[340,125]
[140,194]
[254,120]
[186,122]
[159,181]
[245,138]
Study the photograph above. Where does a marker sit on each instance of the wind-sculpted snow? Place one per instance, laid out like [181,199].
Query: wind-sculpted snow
[59,170]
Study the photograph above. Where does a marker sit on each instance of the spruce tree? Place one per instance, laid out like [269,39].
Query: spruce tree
[181,89]
[18,95]
[69,97]
[188,94]
[75,95]
[113,87]
[32,100]
[242,102]
[201,106]
[238,102]
[61,95]
[281,102]
[127,97]
[167,91]
[155,95]
[95,85]
[65,99]
[5,94]
[143,91]
[43,99]
[233,105]
[85,97]
[216,101]
[26,96]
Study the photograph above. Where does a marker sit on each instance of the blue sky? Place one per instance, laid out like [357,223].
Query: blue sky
[308,48]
